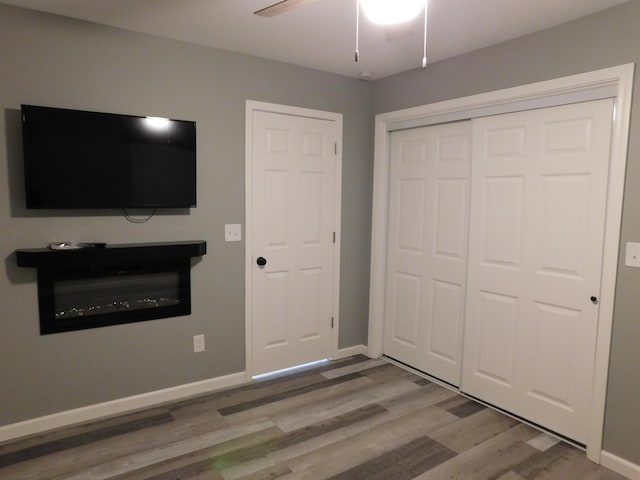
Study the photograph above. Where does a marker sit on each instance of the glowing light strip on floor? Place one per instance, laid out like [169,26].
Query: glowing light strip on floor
[290,369]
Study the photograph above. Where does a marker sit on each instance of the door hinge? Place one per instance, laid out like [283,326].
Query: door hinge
[331,322]
[335,148]
[334,237]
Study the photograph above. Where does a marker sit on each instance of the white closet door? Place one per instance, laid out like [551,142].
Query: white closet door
[427,245]
[536,239]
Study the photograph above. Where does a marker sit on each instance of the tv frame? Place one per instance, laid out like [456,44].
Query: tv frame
[187,132]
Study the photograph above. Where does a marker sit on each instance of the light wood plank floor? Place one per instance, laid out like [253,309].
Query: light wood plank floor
[351,419]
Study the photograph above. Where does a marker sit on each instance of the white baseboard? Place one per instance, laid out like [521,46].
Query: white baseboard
[620,465]
[136,402]
[121,405]
[350,352]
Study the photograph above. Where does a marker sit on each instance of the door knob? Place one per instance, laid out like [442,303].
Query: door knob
[261,261]
[594,300]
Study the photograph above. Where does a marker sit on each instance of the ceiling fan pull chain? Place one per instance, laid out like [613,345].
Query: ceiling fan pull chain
[424,52]
[357,54]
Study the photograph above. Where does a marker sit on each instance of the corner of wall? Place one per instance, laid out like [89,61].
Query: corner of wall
[620,465]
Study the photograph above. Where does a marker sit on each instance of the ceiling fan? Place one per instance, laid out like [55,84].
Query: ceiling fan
[280,7]
[395,16]
[394,32]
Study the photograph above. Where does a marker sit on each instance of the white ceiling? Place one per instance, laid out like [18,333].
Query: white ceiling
[321,34]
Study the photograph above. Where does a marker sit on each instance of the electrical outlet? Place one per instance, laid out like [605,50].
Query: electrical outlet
[632,256]
[232,232]
[198,343]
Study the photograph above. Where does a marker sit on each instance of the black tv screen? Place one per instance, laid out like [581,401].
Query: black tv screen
[78,159]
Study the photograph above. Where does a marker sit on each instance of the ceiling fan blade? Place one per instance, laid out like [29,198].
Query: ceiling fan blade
[280,7]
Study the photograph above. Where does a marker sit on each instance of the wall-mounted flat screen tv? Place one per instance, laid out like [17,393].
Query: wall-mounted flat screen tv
[84,160]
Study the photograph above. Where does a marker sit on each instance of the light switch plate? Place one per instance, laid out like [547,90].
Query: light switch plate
[232,232]
[198,343]
[632,256]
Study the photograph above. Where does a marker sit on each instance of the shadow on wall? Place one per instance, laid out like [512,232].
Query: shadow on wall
[18,275]
[15,176]
[15,173]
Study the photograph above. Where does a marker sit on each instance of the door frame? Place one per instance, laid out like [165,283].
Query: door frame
[256,106]
[614,82]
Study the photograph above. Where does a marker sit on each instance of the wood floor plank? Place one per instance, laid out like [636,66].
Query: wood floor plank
[467,409]
[557,463]
[300,435]
[403,463]
[238,456]
[488,460]
[318,411]
[422,381]
[604,474]
[89,455]
[327,436]
[124,465]
[428,395]
[330,438]
[367,445]
[356,418]
[193,471]
[510,476]
[214,457]
[275,472]
[276,397]
[66,432]
[335,463]
[288,404]
[452,402]
[543,442]
[207,475]
[264,469]
[387,372]
[471,431]
[353,368]
[65,443]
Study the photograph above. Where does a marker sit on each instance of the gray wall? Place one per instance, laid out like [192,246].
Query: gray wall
[601,40]
[53,61]
[59,62]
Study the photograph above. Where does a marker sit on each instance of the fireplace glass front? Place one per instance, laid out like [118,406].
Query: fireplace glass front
[95,298]
[122,293]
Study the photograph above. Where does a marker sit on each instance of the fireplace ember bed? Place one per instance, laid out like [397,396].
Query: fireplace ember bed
[100,286]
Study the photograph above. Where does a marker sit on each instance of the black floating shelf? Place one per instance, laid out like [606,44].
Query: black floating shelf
[98,286]
[115,254]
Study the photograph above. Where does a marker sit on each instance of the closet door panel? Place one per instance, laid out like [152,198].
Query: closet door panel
[427,245]
[536,238]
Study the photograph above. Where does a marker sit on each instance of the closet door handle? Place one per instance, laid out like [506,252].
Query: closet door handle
[261,261]
[594,300]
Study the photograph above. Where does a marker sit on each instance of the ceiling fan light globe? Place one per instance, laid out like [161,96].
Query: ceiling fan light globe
[391,12]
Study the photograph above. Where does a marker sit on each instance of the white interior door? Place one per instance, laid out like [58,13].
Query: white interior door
[536,240]
[293,200]
[427,248]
